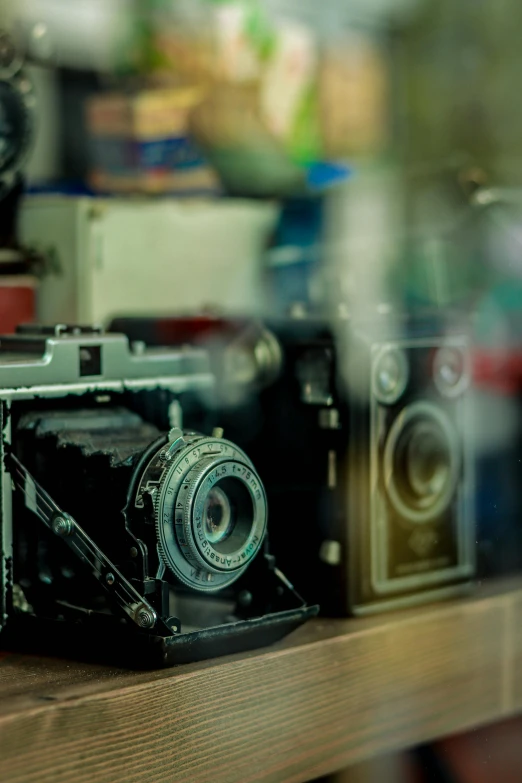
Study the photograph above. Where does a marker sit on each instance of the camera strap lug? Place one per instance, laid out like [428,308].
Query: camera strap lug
[130,601]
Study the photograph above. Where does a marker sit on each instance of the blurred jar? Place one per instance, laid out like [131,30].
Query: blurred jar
[169,42]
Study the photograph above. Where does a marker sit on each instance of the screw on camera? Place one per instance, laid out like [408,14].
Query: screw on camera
[63,525]
[145,617]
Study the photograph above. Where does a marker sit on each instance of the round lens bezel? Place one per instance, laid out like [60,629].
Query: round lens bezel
[211,557]
[428,412]
[178,491]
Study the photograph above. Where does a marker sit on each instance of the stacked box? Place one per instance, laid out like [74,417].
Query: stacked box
[140,142]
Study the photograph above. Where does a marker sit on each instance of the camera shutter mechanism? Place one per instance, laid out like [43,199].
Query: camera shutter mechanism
[210,510]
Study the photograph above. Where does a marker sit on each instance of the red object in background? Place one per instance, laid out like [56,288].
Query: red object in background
[489,755]
[17,302]
[176,330]
[499,371]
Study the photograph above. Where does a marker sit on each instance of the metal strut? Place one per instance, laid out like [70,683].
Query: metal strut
[67,528]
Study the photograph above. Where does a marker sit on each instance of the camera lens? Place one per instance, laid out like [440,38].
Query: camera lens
[218,516]
[228,515]
[451,373]
[421,463]
[426,462]
[210,512]
[390,375]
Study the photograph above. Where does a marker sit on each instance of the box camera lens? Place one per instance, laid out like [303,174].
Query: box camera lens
[421,462]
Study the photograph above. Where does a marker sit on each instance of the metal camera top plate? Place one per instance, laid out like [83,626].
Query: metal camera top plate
[44,362]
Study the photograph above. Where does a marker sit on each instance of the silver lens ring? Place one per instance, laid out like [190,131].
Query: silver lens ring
[426,413]
[245,493]
[183,492]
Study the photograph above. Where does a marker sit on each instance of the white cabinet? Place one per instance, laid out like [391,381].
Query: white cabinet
[132,257]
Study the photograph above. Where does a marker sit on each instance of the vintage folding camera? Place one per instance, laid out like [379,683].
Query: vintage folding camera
[362,435]
[124,532]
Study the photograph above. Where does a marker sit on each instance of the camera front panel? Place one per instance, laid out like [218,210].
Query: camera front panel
[411,521]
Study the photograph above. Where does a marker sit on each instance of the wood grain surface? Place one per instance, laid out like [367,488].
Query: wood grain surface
[333,693]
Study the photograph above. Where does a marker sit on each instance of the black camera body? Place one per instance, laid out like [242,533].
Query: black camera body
[369,471]
[362,435]
[128,528]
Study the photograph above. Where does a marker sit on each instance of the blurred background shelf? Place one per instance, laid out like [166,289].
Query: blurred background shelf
[332,694]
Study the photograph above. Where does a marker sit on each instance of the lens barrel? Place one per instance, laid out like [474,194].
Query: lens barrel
[422,462]
[210,510]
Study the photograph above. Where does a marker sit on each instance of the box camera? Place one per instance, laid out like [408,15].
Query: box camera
[122,531]
[380,421]
[362,434]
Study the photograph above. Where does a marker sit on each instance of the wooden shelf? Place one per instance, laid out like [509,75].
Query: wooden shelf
[333,693]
